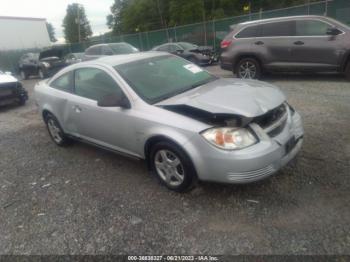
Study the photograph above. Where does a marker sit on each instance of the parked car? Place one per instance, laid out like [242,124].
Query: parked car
[100,50]
[186,123]
[46,63]
[28,65]
[11,90]
[73,58]
[298,43]
[200,55]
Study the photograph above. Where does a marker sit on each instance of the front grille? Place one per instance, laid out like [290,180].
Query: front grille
[251,175]
[274,121]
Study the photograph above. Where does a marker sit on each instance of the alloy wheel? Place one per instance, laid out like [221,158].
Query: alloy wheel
[169,167]
[247,70]
[55,131]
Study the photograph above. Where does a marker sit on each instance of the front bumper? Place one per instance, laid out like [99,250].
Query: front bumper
[250,164]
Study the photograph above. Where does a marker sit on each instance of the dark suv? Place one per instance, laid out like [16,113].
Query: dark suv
[295,44]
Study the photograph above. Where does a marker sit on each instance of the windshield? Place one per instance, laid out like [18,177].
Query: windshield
[162,77]
[123,48]
[187,46]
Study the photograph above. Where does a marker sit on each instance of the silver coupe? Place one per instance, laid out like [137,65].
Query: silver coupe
[188,124]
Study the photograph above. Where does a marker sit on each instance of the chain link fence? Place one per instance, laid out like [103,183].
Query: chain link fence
[205,33]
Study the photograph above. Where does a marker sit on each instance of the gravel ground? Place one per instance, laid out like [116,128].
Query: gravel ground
[83,200]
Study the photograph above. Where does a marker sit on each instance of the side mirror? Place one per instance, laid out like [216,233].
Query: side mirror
[180,51]
[333,31]
[114,101]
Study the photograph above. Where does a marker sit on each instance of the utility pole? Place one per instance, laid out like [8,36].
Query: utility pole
[161,19]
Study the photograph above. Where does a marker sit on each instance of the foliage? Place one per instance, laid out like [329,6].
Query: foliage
[75,21]
[130,16]
[51,31]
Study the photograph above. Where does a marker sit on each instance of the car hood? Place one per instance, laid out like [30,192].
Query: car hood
[247,98]
[7,79]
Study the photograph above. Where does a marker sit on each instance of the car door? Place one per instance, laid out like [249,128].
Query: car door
[275,43]
[105,126]
[313,48]
[60,101]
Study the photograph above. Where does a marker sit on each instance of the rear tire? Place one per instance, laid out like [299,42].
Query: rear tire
[347,71]
[172,166]
[248,68]
[55,131]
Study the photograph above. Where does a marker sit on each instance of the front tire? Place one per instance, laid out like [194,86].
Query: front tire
[55,131]
[172,166]
[248,68]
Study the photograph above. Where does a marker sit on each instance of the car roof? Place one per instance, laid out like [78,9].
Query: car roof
[105,44]
[284,18]
[123,59]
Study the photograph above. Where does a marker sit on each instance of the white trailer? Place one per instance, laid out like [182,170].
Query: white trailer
[23,33]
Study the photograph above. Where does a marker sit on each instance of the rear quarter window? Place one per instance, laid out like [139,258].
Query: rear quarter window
[249,32]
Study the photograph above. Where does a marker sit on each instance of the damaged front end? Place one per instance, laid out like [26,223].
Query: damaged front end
[207,51]
[272,122]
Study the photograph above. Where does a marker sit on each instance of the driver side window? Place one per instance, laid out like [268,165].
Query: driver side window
[95,84]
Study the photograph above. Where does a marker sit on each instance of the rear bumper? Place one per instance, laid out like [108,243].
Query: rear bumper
[225,63]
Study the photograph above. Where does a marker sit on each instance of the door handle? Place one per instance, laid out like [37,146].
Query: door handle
[259,43]
[299,43]
[77,109]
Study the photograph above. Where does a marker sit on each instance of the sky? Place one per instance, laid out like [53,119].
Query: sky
[55,10]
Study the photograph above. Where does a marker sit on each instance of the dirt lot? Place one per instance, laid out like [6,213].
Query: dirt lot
[83,200]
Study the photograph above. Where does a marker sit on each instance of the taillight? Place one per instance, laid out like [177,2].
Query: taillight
[225,43]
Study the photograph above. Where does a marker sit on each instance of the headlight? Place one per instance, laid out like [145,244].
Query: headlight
[229,138]
[45,64]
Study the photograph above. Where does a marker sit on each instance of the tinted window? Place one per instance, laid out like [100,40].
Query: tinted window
[252,31]
[278,29]
[158,78]
[64,82]
[93,50]
[95,84]
[311,28]
[123,48]
[107,50]
[187,46]
[164,48]
[174,48]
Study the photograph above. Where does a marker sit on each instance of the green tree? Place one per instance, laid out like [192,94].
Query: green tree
[51,31]
[128,16]
[76,26]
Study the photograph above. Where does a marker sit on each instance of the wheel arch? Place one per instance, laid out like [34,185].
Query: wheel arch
[150,142]
[243,56]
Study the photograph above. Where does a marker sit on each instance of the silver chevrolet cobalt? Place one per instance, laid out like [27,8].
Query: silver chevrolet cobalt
[186,123]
